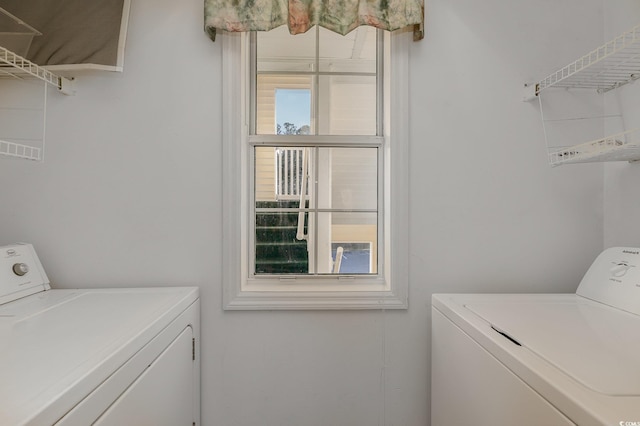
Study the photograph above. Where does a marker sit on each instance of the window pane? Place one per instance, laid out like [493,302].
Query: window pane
[279,173]
[352,258]
[277,250]
[281,99]
[277,50]
[265,173]
[347,105]
[354,52]
[357,234]
[348,178]
[293,111]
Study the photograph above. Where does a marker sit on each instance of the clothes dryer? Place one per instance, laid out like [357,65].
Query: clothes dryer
[95,356]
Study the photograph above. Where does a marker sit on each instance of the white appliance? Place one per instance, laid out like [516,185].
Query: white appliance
[103,357]
[545,359]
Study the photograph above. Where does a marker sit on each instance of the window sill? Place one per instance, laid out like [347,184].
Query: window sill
[325,300]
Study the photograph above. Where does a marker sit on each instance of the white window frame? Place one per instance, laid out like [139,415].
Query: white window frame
[241,292]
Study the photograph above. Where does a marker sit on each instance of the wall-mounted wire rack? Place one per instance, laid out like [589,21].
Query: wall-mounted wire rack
[617,147]
[15,66]
[15,112]
[610,66]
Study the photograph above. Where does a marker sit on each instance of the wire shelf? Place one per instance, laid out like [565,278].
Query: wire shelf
[611,65]
[569,115]
[623,146]
[23,119]
[16,150]
[14,65]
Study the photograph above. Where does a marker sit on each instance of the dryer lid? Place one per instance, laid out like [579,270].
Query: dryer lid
[59,345]
[593,343]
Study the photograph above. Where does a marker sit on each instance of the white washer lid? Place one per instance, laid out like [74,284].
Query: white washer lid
[58,345]
[593,343]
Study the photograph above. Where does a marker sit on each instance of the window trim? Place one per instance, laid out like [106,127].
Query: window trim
[240,293]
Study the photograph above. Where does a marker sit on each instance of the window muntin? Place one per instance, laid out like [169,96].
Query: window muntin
[294,232]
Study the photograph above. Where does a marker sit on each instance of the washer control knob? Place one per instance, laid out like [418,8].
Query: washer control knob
[619,270]
[20,269]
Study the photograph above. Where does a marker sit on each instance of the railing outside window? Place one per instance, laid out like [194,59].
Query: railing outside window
[289,173]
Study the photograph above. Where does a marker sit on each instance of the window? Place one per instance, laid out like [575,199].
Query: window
[315,170]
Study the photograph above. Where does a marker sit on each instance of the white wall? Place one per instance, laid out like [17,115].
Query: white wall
[130,195]
[622,180]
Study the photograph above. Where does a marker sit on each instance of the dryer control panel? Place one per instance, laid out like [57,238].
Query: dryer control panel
[614,279]
[21,272]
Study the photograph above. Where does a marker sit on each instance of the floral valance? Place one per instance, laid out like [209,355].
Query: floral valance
[340,16]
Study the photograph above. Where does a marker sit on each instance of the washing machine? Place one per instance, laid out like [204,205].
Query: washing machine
[542,359]
[95,356]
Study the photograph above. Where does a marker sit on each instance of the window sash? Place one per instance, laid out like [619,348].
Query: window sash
[316,73]
[381,243]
